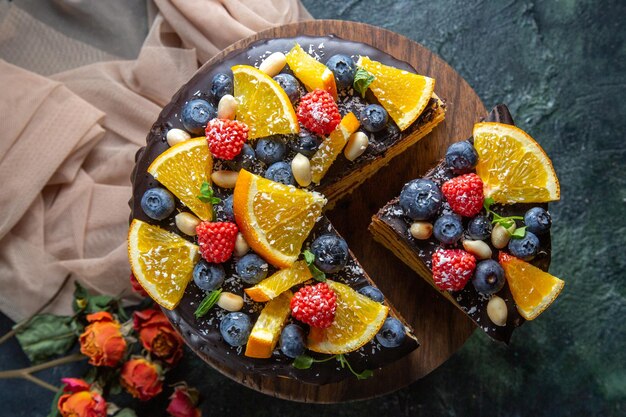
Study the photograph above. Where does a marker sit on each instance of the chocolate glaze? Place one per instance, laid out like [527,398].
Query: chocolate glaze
[470,301]
[202,335]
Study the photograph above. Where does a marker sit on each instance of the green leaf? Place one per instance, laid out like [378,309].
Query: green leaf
[206,194]
[365,374]
[487,203]
[54,409]
[209,301]
[303,362]
[519,233]
[45,336]
[362,81]
[309,258]
[343,361]
[126,412]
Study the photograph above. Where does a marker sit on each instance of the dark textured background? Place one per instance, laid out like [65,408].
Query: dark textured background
[561,68]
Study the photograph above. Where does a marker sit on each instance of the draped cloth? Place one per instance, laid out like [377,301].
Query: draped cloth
[68,138]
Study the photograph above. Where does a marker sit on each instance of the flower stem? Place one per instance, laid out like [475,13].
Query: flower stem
[25,373]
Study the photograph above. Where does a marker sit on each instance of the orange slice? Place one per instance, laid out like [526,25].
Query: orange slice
[512,165]
[274,218]
[262,104]
[279,282]
[533,289]
[266,330]
[161,261]
[332,147]
[357,320]
[310,71]
[182,169]
[403,94]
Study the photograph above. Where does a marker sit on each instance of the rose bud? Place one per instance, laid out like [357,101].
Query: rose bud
[80,401]
[102,340]
[157,335]
[137,288]
[141,378]
[183,403]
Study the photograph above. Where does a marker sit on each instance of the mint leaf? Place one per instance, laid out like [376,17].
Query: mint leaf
[487,203]
[206,194]
[302,362]
[209,301]
[309,258]
[362,81]
[519,233]
[365,374]
[45,336]
[359,375]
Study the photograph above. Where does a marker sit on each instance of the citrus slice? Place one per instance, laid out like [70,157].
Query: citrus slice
[332,147]
[161,261]
[513,167]
[357,320]
[403,94]
[182,169]
[312,73]
[279,282]
[262,104]
[274,218]
[533,289]
[268,326]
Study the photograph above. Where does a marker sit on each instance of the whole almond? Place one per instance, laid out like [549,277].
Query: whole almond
[497,311]
[225,179]
[478,248]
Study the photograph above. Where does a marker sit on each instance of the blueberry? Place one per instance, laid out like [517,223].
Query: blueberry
[461,157]
[292,341]
[305,143]
[448,229]
[208,277]
[525,248]
[225,210]
[331,253]
[251,268]
[373,293]
[392,333]
[420,199]
[221,85]
[235,328]
[489,277]
[246,159]
[479,228]
[196,114]
[537,220]
[291,86]
[270,150]
[373,118]
[280,172]
[344,69]
[157,203]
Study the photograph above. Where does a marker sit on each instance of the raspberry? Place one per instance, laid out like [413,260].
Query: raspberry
[318,112]
[217,240]
[452,268]
[226,137]
[464,194]
[315,305]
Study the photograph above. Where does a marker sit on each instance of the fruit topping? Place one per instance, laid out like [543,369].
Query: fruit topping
[306,143]
[235,328]
[448,229]
[373,118]
[226,137]
[479,228]
[403,94]
[157,203]
[280,172]
[268,327]
[314,305]
[464,194]
[270,150]
[221,85]
[216,240]
[461,157]
[292,341]
[208,277]
[251,268]
[392,334]
[537,220]
[421,199]
[343,68]
[372,292]
[525,248]
[246,159]
[489,277]
[290,85]
[279,282]
[312,73]
[331,253]
[318,112]
[196,114]
[452,268]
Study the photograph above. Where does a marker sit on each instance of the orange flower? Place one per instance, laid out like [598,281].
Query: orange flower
[79,401]
[141,378]
[183,402]
[102,340]
[157,335]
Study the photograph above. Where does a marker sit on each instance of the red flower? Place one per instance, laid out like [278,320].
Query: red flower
[157,335]
[102,340]
[142,378]
[79,401]
[137,288]
[183,403]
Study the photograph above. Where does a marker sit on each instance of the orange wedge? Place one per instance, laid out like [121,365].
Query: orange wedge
[279,282]
[266,330]
[182,169]
[161,261]
[274,218]
[533,289]
[310,71]
[512,165]
[357,320]
[403,94]
[332,147]
[262,104]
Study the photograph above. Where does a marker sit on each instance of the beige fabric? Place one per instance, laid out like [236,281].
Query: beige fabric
[67,147]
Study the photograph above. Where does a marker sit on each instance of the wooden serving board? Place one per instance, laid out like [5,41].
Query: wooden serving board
[440,327]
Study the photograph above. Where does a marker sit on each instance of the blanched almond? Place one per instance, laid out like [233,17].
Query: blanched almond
[227,107]
[230,302]
[357,144]
[224,179]
[175,136]
[241,246]
[497,311]
[478,248]
[186,223]
[421,230]
[273,64]
[301,169]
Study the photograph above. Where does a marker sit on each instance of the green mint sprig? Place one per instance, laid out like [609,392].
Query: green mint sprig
[505,222]
[362,81]
[309,258]
[206,194]
[209,301]
[305,362]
